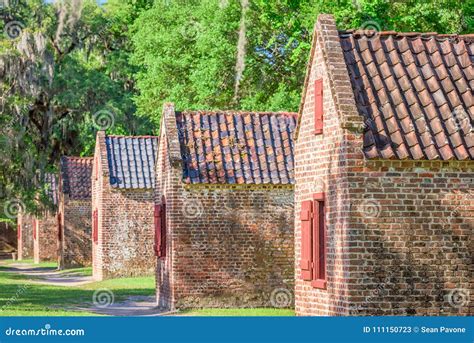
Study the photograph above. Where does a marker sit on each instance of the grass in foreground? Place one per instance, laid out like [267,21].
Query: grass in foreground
[29,262]
[239,312]
[83,271]
[20,297]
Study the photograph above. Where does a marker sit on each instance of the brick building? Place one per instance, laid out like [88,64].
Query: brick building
[25,236]
[384,175]
[8,240]
[74,230]
[45,225]
[224,213]
[122,204]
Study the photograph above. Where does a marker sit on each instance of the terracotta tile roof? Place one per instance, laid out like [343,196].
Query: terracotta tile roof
[131,161]
[236,147]
[414,91]
[51,182]
[76,175]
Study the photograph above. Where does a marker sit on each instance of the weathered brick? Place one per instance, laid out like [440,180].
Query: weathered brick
[25,243]
[125,223]
[228,245]
[399,232]
[75,246]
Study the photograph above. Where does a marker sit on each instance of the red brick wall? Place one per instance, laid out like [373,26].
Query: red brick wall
[320,167]
[25,243]
[414,224]
[8,239]
[46,244]
[167,185]
[125,240]
[399,232]
[227,246]
[76,245]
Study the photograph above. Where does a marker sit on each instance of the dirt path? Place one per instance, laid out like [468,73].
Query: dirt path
[49,276]
[133,306]
[103,301]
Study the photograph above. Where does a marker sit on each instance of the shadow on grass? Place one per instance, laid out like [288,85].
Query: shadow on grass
[18,296]
[28,270]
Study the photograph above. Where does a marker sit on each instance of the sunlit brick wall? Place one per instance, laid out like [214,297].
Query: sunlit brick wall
[167,182]
[125,240]
[76,245]
[46,243]
[320,167]
[399,232]
[25,243]
[414,221]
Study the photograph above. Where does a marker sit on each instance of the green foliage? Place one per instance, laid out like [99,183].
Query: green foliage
[68,65]
[186,50]
[128,57]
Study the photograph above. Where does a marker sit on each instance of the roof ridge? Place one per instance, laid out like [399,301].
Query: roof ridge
[130,136]
[360,32]
[239,112]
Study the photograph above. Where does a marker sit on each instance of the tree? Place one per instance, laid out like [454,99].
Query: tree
[60,82]
[70,67]
[187,51]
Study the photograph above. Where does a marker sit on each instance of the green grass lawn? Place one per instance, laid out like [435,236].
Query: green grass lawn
[239,312]
[20,297]
[29,261]
[83,271]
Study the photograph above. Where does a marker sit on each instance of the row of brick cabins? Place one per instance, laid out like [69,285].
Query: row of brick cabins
[377,167]
[97,210]
[60,233]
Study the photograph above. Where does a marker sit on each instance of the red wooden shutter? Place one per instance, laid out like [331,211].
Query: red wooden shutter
[34,229]
[60,229]
[158,223]
[306,240]
[18,231]
[319,245]
[163,231]
[318,106]
[95,226]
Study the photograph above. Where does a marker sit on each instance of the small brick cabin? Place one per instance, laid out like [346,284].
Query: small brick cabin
[25,236]
[384,178]
[224,209]
[123,178]
[44,225]
[74,230]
